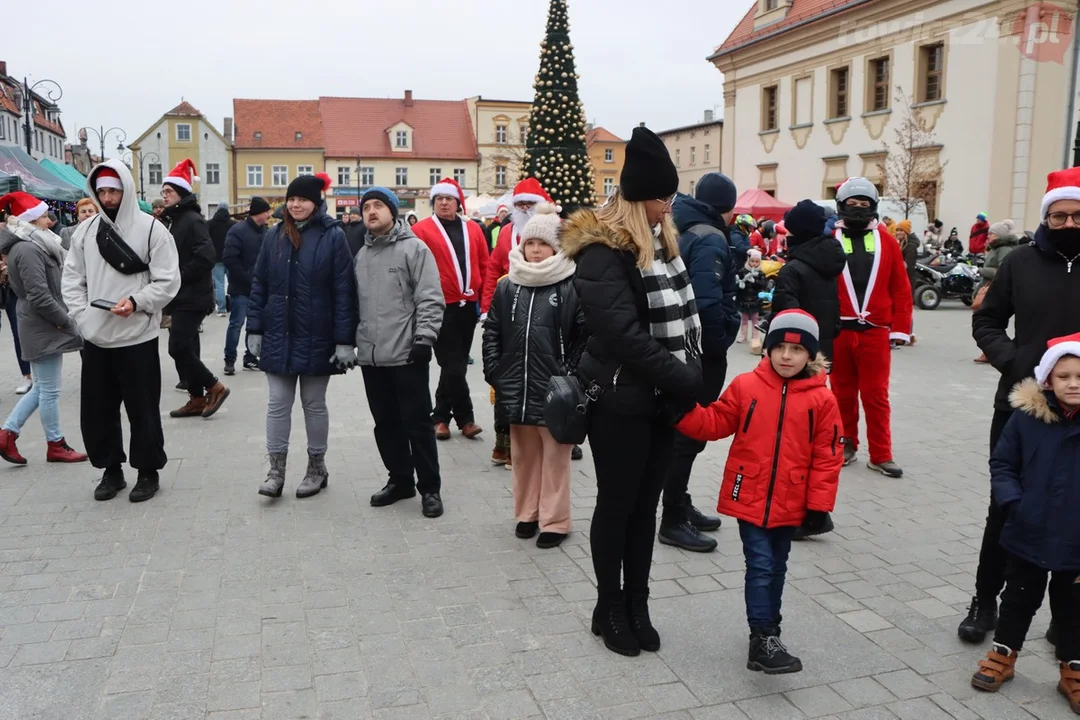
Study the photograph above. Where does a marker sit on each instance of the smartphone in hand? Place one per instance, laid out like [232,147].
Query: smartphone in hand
[103,304]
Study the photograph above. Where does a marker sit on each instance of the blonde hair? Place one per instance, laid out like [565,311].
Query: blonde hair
[629,217]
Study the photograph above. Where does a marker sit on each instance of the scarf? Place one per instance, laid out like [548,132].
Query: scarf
[673,317]
[555,269]
[47,240]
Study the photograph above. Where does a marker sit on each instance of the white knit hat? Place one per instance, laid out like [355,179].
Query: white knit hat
[544,225]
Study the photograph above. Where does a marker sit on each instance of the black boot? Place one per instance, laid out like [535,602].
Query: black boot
[768,654]
[684,535]
[391,493]
[145,487]
[637,608]
[981,619]
[701,521]
[111,483]
[609,620]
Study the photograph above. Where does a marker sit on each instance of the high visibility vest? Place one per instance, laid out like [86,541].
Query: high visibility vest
[868,242]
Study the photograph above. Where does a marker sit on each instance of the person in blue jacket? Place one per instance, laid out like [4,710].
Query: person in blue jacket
[739,238]
[242,245]
[703,225]
[1035,480]
[301,324]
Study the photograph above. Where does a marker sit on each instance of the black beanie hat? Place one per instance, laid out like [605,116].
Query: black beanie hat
[717,191]
[648,173]
[258,205]
[309,187]
[805,221]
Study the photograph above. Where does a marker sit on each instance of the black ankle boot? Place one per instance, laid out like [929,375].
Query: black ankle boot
[609,620]
[981,619]
[637,609]
[768,655]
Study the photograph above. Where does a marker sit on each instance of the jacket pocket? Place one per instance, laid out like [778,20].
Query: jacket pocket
[749,416]
[795,492]
[742,483]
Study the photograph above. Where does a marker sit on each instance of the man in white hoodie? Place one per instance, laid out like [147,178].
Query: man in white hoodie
[121,271]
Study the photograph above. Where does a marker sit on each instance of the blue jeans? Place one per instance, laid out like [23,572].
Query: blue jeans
[10,309]
[766,552]
[238,306]
[45,394]
[219,286]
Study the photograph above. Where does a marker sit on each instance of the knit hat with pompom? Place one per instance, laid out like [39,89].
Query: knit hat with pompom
[544,226]
[1004,229]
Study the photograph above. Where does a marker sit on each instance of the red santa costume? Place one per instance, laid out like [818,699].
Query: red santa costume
[528,190]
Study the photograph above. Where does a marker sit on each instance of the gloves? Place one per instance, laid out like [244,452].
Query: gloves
[254,344]
[344,357]
[815,519]
[420,353]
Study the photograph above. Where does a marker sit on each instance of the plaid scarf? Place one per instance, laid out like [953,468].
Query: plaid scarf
[673,317]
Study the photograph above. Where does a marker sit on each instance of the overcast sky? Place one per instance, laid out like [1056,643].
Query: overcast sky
[125,63]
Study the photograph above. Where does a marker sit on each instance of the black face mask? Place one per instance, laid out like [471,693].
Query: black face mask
[856,218]
[1066,241]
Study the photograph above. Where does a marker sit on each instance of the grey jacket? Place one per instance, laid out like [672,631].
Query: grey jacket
[45,329]
[400,297]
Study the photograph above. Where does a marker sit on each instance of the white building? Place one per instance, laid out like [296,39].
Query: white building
[811,97]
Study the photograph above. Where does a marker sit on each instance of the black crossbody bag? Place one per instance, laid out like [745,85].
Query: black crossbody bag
[118,253]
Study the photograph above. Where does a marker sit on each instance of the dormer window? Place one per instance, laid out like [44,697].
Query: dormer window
[298,136]
[258,135]
[401,139]
[769,5]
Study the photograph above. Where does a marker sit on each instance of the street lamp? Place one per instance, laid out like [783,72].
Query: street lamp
[139,156]
[359,170]
[102,133]
[28,106]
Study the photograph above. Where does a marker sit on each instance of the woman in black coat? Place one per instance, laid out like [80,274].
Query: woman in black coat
[644,351]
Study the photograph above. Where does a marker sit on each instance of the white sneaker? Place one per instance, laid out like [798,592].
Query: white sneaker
[24,387]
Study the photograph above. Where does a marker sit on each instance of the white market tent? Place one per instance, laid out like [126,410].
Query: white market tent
[489,208]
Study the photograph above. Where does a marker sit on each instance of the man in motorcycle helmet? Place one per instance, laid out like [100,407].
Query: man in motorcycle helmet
[739,238]
[875,310]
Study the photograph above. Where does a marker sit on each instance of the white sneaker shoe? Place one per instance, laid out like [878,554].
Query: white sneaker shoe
[24,387]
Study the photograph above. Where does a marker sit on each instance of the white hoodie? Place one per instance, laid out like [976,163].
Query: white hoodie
[88,277]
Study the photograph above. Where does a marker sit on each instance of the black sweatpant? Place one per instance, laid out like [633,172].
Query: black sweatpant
[676,497]
[184,350]
[128,375]
[1025,585]
[631,456]
[990,577]
[400,403]
[452,399]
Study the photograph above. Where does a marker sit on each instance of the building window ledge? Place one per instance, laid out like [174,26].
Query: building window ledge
[830,121]
[800,126]
[929,103]
[834,158]
[875,113]
[763,133]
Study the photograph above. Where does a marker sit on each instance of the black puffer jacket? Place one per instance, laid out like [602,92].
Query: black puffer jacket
[219,230]
[522,350]
[808,281]
[196,251]
[612,295]
[1035,288]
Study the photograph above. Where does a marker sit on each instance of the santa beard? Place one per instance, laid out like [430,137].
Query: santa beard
[520,217]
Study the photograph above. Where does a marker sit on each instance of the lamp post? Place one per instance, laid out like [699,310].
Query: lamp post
[359,169]
[28,107]
[139,156]
[1076,147]
[102,133]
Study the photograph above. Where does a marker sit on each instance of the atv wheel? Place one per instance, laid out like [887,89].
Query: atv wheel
[927,297]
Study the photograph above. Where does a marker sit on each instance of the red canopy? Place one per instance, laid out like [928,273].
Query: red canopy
[761,204]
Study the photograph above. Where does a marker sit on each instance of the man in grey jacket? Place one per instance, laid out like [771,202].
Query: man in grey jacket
[401,311]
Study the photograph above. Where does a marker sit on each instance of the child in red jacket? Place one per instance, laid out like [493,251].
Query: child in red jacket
[784,464]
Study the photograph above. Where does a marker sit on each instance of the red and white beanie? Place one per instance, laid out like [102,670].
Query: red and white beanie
[23,206]
[106,177]
[182,175]
[530,190]
[449,187]
[1055,350]
[1061,185]
[794,326]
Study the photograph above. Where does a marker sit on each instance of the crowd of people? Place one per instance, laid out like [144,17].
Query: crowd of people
[639,301]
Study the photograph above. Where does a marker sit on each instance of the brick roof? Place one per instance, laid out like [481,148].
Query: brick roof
[357,127]
[278,121]
[600,134]
[7,102]
[801,12]
[186,109]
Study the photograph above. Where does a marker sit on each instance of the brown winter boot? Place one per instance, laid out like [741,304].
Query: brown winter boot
[193,408]
[1069,685]
[998,668]
[215,398]
[501,453]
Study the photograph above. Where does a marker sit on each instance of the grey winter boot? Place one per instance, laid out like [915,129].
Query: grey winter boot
[315,478]
[275,478]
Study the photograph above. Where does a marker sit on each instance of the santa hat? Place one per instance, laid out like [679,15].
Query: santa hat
[450,187]
[530,190]
[182,175]
[106,177]
[1061,185]
[23,206]
[794,326]
[1055,350]
[501,208]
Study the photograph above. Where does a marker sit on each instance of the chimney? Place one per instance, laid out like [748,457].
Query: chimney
[408,98]
[708,116]
[641,124]
[3,67]
[227,126]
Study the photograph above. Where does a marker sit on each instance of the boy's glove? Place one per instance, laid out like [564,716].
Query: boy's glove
[344,357]
[254,344]
[815,522]
[420,353]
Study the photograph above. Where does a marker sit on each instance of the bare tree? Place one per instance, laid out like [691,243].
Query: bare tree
[913,175]
[512,157]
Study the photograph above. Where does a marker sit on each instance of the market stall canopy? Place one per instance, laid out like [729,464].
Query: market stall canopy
[490,209]
[761,204]
[66,172]
[35,179]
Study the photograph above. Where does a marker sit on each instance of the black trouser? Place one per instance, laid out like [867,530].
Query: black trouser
[400,403]
[990,577]
[631,457]
[452,399]
[184,349]
[128,375]
[1024,590]
[676,497]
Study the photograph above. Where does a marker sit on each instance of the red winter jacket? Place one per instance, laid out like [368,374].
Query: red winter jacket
[888,299]
[978,237]
[456,287]
[499,264]
[768,248]
[786,455]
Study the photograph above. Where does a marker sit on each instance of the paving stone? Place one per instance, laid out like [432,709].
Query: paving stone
[818,701]
[905,684]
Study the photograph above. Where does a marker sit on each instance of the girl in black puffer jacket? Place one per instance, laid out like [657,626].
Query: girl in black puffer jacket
[749,282]
[534,330]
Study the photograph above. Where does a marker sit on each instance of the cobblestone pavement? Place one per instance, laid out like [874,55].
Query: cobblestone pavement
[212,602]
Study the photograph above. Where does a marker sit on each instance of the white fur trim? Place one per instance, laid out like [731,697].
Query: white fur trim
[35,212]
[448,190]
[465,283]
[178,182]
[1051,356]
[900,336]
[861,313]
[529,197]
[1061,193]
[108,182]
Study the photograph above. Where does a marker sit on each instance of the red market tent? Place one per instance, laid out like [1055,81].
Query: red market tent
[761,204]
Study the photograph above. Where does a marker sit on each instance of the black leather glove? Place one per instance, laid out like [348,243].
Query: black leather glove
[815,520]
[420,353]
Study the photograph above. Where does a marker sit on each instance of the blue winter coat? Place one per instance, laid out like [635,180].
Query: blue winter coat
[1035,477]
[242,245]
[740,246]
[708,259]
[303,300]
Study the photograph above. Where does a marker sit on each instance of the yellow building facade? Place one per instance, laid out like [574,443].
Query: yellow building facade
[607,153]
[502,128]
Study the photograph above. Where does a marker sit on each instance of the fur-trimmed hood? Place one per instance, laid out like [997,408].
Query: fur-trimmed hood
[1030,398]
[583,229]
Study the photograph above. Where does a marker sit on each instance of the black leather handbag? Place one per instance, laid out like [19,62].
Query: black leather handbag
[118,253]
[566,403]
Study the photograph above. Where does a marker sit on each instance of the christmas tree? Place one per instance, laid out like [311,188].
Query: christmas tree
[556,154]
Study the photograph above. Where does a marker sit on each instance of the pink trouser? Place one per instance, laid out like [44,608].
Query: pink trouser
[541,478]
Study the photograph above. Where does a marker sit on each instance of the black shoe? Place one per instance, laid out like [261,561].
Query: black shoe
[526,530]
[637,609]
[111,483]
[145,487]
[610,621]
[181,387]
[230,368]
[701,521]
[981,619]
[548,540]
[1052,633]
[814,524]
[432,505]
[391,493]
[251,364]
[768,654]
[687,537]
[576,453]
